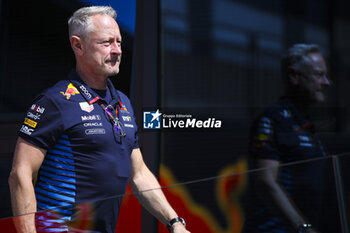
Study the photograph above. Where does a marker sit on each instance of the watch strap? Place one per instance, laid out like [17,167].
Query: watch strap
[304,228]
[169,225]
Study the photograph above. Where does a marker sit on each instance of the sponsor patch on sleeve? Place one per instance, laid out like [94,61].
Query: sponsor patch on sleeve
[262,137]
[26,130]
[30,122]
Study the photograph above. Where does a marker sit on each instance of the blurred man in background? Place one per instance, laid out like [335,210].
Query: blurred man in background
[284,133]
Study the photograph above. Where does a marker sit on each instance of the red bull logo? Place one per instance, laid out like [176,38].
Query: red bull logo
[71,90]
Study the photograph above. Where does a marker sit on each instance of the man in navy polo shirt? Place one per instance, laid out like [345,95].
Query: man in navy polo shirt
[79,140]
[283,133]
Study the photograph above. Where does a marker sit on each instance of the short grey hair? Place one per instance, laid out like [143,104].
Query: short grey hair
[80,22]
[296,56]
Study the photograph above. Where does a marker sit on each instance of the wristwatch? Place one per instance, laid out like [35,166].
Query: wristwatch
[169,225]
[304,228]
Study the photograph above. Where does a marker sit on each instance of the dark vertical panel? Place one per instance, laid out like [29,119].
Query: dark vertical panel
[37,51]
[3,47]
[294,14]
[200,21]
[144,85]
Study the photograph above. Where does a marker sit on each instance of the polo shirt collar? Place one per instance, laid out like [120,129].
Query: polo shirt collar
[88,93]
[303,121]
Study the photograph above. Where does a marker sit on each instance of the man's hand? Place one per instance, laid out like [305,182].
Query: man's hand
[178,227]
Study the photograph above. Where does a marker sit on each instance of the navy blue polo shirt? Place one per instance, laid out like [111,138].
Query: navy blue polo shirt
[87,159]
[283,134]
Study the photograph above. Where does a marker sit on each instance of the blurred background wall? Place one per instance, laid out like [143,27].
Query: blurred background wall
[222,57]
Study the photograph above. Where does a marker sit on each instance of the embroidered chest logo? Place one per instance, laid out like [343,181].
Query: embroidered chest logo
[123,107]
[85,106]
[126,118]
[285,113]
[91,118]
[305,141]
[71,90]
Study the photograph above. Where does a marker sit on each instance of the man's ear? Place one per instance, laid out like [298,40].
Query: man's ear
[77,45]
[293,76]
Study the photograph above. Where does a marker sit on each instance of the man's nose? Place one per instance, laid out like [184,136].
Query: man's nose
[325,81]
[116,48]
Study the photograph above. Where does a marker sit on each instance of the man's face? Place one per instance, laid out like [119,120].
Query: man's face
[313,78]
[103,51]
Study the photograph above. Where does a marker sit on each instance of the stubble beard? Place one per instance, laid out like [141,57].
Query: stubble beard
[110,70]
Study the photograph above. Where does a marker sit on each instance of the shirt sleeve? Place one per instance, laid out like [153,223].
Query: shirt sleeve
[42,125]
[263,143]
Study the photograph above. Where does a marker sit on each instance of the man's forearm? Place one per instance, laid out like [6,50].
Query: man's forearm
[279,201]
[23,203]
[273,193]
[148,191]
[150,195]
